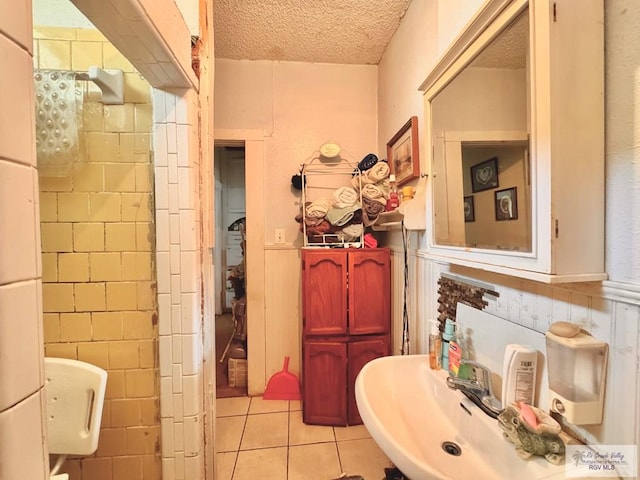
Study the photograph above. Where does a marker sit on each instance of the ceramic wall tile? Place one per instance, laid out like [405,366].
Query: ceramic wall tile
[192,436]
[183,137]
[16,23]
[176,319]
[19,342]
[18,248]
[192,386]
[172,140]
[162,230]
[22,440]
[190,313]
[187,230]
[17,137]
[159,114]
[167,437]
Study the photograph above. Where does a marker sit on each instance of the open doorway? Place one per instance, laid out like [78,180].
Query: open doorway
[230,291]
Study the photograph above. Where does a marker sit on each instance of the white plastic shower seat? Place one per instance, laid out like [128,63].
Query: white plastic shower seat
[75,397]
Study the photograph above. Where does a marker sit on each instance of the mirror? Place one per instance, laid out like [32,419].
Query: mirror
[481,170]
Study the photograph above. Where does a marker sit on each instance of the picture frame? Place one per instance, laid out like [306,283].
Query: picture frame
[469,209]
[403,154]
[484,175]
[506,204]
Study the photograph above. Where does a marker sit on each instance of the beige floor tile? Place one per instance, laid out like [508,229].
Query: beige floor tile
[363,457]
[225,462]
[355,432]
[228,407]
[266,430]
[260,405]
[229,433]
[301,434]
[262,464]
[295,405]
[314,462]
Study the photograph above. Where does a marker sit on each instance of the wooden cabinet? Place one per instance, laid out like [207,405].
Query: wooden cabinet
[346,323]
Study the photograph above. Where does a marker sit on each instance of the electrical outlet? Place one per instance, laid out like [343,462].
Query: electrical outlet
[279,235]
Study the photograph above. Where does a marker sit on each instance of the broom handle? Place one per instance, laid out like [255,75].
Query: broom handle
[286,364]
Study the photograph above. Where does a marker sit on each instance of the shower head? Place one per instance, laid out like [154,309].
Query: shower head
[111,82]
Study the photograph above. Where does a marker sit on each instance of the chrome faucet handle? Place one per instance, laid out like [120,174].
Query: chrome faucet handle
[484,378]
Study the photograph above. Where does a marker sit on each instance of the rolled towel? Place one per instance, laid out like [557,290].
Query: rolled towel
[373,192]
[344,197]
[378,172]
[341,216]
[360,180]
[318,208]
[385,185]
[371,207]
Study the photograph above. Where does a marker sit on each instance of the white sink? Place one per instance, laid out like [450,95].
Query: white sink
[410,412]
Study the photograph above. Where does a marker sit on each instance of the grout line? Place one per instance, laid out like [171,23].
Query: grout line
[288,438]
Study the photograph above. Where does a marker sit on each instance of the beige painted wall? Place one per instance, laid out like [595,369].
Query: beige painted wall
[299,106]
[99,297]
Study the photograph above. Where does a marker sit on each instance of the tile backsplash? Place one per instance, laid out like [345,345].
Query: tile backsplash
[608,311]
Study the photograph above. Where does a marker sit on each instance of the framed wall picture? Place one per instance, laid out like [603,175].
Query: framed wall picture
[469,209]
[507,204]
[484,175]
[402,153]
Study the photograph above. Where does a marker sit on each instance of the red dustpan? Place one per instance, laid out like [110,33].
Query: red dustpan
[283,385]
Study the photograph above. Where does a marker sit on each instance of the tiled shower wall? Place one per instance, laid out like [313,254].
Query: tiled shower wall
[178,203]
[98,241]
[22,449]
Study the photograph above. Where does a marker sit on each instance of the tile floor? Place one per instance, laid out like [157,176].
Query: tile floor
[266,440]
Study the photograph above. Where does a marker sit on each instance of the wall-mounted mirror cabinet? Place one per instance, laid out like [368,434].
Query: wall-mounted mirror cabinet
[515,131]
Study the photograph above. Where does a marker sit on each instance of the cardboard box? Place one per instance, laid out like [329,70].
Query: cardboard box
[237,372]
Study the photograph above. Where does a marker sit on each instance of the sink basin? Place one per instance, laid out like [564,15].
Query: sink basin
[411,414]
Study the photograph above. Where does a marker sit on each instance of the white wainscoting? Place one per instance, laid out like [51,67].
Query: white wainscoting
[609,311]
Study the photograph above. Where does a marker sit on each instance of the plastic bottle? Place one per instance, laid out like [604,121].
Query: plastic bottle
[519,374]
[455,354]
[435,346]
[393,201]
[447,336]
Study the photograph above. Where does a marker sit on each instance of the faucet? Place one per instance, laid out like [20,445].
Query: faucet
[478,389]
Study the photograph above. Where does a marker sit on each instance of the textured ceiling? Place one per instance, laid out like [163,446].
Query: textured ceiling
[509,48]
[317,31]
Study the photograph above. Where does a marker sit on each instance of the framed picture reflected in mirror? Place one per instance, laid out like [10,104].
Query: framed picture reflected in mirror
[484,175]
[507,204]
[469,209]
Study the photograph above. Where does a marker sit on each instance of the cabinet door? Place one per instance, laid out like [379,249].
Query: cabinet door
[360,353]
[369,291]
[324,292]
[324,383]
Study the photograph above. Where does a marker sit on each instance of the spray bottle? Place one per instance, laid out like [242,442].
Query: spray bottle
[435,346]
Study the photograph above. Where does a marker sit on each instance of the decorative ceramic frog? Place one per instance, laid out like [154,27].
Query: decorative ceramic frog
[540,439]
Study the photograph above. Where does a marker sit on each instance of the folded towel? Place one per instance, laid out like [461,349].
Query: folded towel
[318,208]
[341,216]
[352,232]
[344,197]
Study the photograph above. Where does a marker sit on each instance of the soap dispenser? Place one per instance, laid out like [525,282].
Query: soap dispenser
[577,364]
[435,346]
